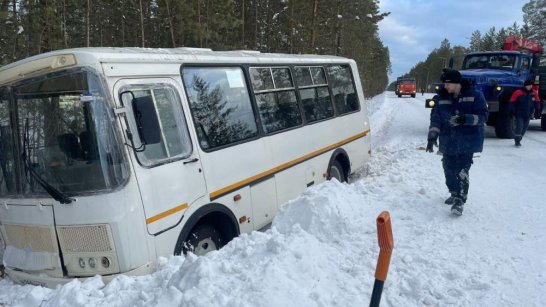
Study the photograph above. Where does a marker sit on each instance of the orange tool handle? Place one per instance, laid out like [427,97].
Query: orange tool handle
[386,245]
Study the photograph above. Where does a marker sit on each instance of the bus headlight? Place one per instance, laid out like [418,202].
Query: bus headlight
[88,249]
[81,262]
[105,262]
[92,262]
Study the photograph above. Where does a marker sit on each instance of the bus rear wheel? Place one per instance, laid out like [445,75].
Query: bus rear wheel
[203,239]
[336,171]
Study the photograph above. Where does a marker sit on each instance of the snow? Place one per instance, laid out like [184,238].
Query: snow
[322,247]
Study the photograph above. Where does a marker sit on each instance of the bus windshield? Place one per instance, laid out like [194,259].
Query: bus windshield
[57,132]
[491,61]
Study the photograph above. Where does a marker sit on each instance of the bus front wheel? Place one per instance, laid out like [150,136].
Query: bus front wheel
[203,239]
[336,171]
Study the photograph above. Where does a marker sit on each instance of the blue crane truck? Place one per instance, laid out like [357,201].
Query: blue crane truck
[497,74]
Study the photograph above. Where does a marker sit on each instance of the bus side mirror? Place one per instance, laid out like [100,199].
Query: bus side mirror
[146,119]
[430,103]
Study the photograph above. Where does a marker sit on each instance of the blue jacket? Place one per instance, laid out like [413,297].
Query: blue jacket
[462,139]
[524,103]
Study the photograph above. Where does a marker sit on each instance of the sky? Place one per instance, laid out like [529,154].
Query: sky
[416,27]
[322,248]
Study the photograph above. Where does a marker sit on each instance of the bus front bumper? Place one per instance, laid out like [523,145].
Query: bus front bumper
[52,282]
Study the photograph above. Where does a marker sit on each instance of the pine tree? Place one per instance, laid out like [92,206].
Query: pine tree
[475,41]
[500,38]
[488,40]
[534,17]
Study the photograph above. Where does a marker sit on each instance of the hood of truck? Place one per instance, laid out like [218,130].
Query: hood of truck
[479,76]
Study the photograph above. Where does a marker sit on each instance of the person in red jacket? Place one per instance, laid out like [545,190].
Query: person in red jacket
[523,104]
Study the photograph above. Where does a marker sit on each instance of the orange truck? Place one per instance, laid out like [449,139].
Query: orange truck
[406,86]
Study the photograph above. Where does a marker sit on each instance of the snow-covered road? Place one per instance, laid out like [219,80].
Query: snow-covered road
[322,248]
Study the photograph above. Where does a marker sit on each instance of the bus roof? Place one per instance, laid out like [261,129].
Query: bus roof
[94,56]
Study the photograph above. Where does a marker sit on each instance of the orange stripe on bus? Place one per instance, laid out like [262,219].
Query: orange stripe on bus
[286,165]
[166,213]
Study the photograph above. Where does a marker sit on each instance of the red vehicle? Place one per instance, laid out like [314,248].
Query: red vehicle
[406,86]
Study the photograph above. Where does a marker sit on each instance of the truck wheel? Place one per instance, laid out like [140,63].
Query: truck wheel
[504,123]
[399,96]
[413,96]
[492,119]
[543,122]
[504,126]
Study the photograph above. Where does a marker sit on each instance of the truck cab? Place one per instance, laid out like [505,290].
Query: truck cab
[406,86]
[497,74]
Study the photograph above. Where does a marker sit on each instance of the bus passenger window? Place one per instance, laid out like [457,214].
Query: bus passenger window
[278,105]
[313,89]
[220,105]
[341,82]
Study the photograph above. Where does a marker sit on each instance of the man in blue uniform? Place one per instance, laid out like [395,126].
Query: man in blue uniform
[458,120]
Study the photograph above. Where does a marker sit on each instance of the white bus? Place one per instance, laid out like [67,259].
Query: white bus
[112,157]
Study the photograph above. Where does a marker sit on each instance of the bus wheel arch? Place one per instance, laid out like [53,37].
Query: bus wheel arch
[212,223]
[339,158]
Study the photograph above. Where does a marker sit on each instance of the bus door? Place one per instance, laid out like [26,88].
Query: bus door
[165,160]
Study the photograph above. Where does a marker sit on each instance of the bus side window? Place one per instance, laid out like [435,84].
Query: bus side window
[276,100]
[175,141]
[313,90]
[342,85]
[220,105]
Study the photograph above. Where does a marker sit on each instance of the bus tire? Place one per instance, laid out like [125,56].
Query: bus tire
[543,122]
[203,239]
[336,171]
[216,216]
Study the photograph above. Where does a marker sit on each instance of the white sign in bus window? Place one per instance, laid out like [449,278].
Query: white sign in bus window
[235,78]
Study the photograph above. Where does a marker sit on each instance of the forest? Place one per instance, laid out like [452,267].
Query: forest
[346,28]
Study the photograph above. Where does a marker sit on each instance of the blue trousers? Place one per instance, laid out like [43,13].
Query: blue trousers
[456,170]
[520,126]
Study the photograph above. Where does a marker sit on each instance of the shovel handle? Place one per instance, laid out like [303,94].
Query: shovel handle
[386,245]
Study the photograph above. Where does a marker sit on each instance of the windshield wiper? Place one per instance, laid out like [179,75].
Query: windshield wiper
[51,190]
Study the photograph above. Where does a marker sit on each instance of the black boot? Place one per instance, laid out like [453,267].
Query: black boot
[518,144]
[457,208]
[450,199]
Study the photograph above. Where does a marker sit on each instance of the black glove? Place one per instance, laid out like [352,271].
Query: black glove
[457,120]
[430,145]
